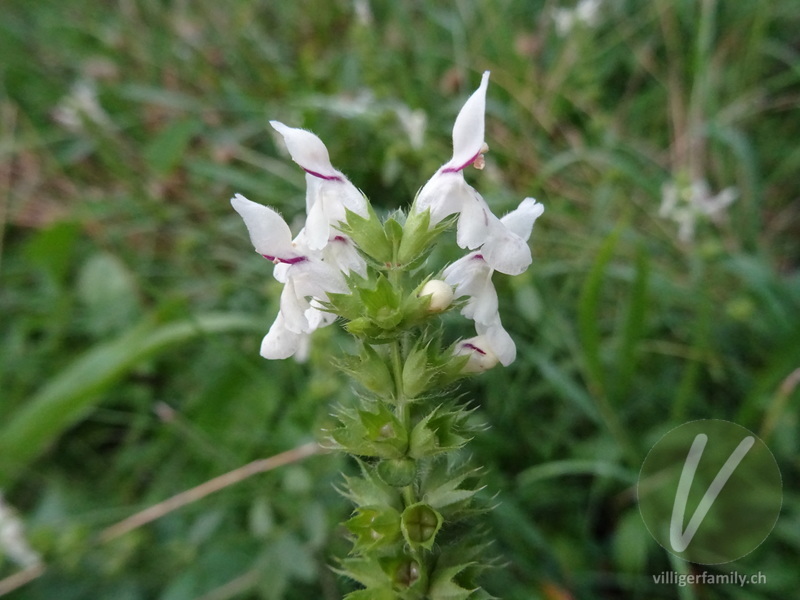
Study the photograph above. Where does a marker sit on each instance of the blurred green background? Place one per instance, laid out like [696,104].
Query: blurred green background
[133,305]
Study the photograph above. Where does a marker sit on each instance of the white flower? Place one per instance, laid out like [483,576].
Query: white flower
[328,191]
[306,275]
[686,204]
[490,346]
[481,358]
[13,542]
[498,341]
[471,275]
[447,193]
[587,12]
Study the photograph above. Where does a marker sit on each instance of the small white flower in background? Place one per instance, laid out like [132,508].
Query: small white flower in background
[12,538]
[686,204]
[586,13]
[363,12]
[414,123]
[79,106]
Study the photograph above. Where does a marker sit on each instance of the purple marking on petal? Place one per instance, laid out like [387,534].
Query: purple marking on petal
[478,257]
[321,176]
[462,167]
[289,261]
[474,347]
[339,238]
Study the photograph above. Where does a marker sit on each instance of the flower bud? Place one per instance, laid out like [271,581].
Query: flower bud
[440,292]
[398,472]
[481,358]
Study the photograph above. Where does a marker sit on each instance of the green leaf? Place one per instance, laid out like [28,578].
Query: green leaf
[71,394]
[632,329]
[589,314]
[631,541]
[166,150]
[574,466]
[107,289]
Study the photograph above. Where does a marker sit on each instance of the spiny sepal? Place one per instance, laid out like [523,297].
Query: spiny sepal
[368,235]
[370,489]
[442,430]
[374,527]
[369,368]
[372,430]
[450,489]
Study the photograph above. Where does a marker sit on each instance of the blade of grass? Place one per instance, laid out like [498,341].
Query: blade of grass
[632,328]
[71,394]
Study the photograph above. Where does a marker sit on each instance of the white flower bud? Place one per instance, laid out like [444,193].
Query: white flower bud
[441,294]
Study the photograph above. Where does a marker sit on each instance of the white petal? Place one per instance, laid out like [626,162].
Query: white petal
[468,130]
[499,341]
[281,272]
[317,278]
[520,220]
[505,251]
[444,194]
[306,149]
[269,233]
[293,307]
[317,229]
[280,342]
[341,253]
[474,222]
